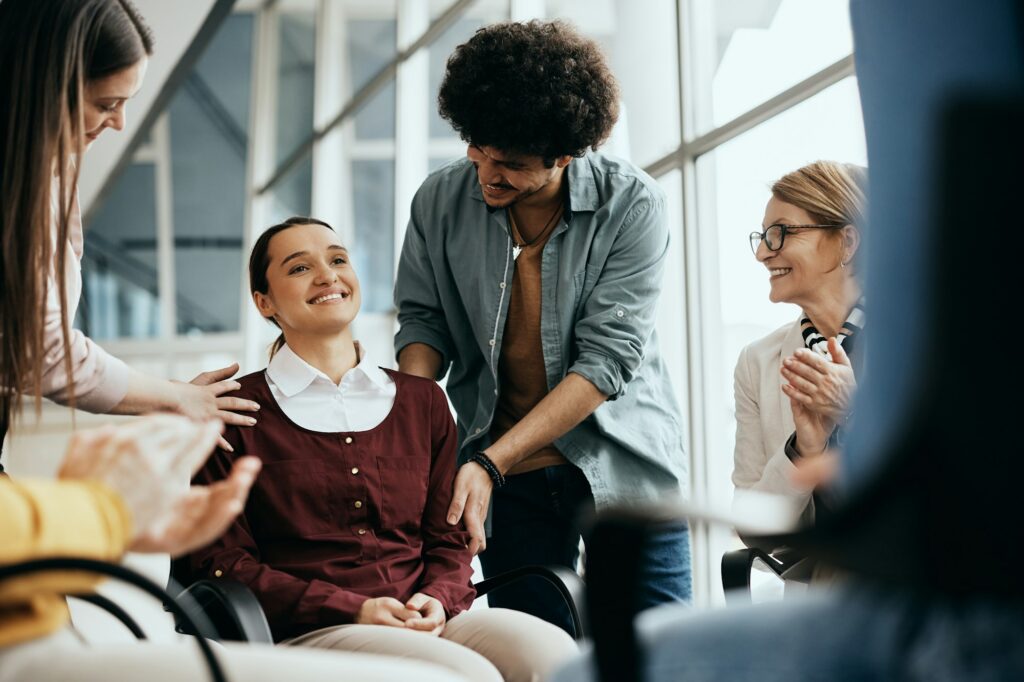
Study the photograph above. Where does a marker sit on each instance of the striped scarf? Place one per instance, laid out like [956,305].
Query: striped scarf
[851,328]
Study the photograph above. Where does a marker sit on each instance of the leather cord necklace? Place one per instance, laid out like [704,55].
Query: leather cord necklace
[517,248]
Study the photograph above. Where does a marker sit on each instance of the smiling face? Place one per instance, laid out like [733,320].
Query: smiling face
[312,288]
[506,179]
[808,264]
[106,97]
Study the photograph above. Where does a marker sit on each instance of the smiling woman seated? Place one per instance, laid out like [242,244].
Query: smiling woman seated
[345,540]
[794,386]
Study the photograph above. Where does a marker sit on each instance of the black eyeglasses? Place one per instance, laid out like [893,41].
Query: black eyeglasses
[775,236]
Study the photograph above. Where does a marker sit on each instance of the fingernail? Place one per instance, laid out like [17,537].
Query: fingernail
[229,448]
[254,406]
[451,518]
[251,421]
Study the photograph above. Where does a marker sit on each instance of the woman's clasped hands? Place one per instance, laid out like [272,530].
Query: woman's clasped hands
[820,391]
[422,612]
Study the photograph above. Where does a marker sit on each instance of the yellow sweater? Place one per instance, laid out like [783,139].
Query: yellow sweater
[53,519]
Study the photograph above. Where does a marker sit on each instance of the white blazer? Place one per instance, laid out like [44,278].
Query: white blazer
[764,420]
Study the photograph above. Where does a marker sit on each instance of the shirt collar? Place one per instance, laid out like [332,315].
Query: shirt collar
[292,375]
[582,188]
[369,369]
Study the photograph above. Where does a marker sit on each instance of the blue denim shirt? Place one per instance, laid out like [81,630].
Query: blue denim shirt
[601,274]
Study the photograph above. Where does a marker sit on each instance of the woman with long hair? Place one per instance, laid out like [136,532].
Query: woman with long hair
[67,69]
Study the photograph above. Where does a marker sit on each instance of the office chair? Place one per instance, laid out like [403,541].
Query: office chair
[235,614]
[738,565]
[227,610]
[189,618]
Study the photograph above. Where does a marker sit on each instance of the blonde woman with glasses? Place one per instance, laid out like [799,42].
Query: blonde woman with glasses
[794,386]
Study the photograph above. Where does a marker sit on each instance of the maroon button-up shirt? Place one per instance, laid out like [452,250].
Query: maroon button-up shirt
[337,518]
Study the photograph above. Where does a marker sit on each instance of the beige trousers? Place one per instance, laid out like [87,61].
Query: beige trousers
[489,645]
[62,657]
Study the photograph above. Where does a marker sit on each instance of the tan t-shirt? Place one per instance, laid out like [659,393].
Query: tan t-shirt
[522,381]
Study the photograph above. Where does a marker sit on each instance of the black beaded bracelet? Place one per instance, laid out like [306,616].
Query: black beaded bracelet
[483,460]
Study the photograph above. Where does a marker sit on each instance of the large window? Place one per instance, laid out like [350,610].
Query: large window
[164,251]
[320,107]
[120,285]
[641,42]
[372,41]
[762,47]
[767,87]
[293,107]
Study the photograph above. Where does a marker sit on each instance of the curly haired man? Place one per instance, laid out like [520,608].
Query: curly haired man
[531,270]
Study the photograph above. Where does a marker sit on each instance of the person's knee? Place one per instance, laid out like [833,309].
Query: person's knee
[384,640]
[549,646]
[535,647]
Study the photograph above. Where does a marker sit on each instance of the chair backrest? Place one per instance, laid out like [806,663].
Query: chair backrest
[934,461]
[911,57]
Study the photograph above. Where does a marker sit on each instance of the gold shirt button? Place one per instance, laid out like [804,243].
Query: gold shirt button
[359,504]
[218,573]
[348,440]
[361,531]
[355,470]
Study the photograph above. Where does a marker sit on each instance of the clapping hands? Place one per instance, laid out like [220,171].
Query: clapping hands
[149,463]
[820,391]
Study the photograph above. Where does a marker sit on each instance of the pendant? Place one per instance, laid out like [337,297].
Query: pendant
[516,250]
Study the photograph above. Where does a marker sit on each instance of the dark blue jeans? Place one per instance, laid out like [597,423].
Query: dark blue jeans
[535,519]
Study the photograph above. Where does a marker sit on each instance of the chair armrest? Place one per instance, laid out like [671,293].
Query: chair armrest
[114,610]
[232,608]
[191,623]
[737,565]
[567,583]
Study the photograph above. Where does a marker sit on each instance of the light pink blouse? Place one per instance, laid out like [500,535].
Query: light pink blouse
[101,380]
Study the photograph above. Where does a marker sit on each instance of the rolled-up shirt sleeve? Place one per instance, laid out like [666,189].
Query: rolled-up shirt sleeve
[421,315]
[619,314]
